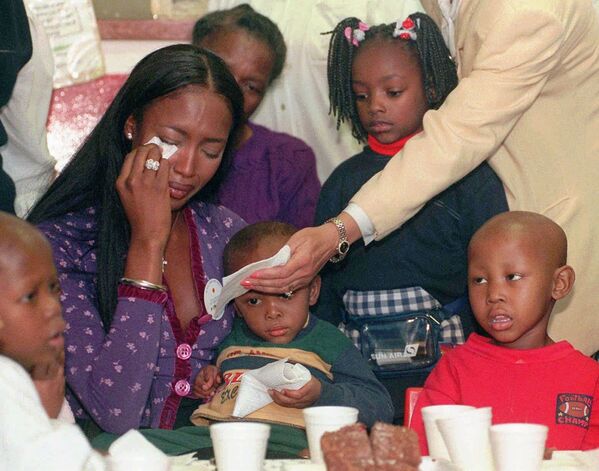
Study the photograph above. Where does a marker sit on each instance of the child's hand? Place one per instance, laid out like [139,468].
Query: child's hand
[207,381]
[306,396]
[49,381]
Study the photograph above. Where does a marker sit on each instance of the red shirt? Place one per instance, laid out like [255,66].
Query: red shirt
[553,386]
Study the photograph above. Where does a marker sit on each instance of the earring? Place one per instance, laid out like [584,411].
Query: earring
[129,135]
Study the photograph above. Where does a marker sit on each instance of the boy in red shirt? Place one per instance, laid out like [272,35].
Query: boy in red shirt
[516,272]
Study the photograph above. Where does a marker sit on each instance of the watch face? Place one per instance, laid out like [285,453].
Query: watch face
[343,247]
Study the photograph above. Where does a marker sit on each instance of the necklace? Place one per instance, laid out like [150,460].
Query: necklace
[173,224]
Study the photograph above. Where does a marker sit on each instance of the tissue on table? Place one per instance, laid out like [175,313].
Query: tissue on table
[254,386]
[133,451]
[573,460]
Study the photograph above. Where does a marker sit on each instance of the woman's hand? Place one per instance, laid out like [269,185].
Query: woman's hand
[145,196]
[311,248]
[306,396]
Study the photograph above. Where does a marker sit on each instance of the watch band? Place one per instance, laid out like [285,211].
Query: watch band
[343,245]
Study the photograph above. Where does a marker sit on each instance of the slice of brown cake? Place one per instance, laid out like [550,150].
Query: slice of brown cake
[347,449]
[393,447]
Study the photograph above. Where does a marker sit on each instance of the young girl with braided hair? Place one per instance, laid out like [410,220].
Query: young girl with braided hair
[383,80]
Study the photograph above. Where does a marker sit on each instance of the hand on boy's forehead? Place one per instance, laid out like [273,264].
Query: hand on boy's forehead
[265,248]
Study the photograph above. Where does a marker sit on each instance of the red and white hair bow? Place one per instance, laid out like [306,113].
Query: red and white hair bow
[405,30]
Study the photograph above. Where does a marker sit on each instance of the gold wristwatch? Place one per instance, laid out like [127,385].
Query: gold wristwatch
[343,246]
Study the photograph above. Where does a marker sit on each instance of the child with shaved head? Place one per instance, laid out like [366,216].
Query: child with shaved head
[517,270]
[32,381]
[32,356]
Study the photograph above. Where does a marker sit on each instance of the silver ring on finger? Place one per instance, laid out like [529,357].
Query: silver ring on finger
[152,164]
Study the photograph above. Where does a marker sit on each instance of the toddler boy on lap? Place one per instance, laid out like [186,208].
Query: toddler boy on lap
[271,327]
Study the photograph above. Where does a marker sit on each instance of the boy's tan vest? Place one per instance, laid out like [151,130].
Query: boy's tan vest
[222,403]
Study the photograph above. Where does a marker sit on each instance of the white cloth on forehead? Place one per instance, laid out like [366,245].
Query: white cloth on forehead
[231,284]
[254,386]
[167,149]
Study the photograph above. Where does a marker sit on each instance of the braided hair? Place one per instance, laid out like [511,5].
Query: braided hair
[439,75]
[246,18]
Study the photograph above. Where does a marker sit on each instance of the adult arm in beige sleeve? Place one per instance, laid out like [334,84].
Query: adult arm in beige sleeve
[513,63]
[520,47]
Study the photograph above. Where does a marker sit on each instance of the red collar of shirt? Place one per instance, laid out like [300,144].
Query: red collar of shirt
[388,149]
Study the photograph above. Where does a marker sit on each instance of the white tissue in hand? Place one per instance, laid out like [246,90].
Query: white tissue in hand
[167,149]
[252,395]
[231,284]
[254,386]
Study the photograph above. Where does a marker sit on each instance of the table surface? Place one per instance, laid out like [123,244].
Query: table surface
[188,463]
[562,461]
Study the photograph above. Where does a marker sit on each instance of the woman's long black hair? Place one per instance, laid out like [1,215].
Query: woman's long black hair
[438,69]
[89,179]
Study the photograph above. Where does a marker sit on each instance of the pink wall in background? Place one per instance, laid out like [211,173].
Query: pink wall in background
[75,110]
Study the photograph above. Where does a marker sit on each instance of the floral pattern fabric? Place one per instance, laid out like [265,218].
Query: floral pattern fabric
[124,378]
